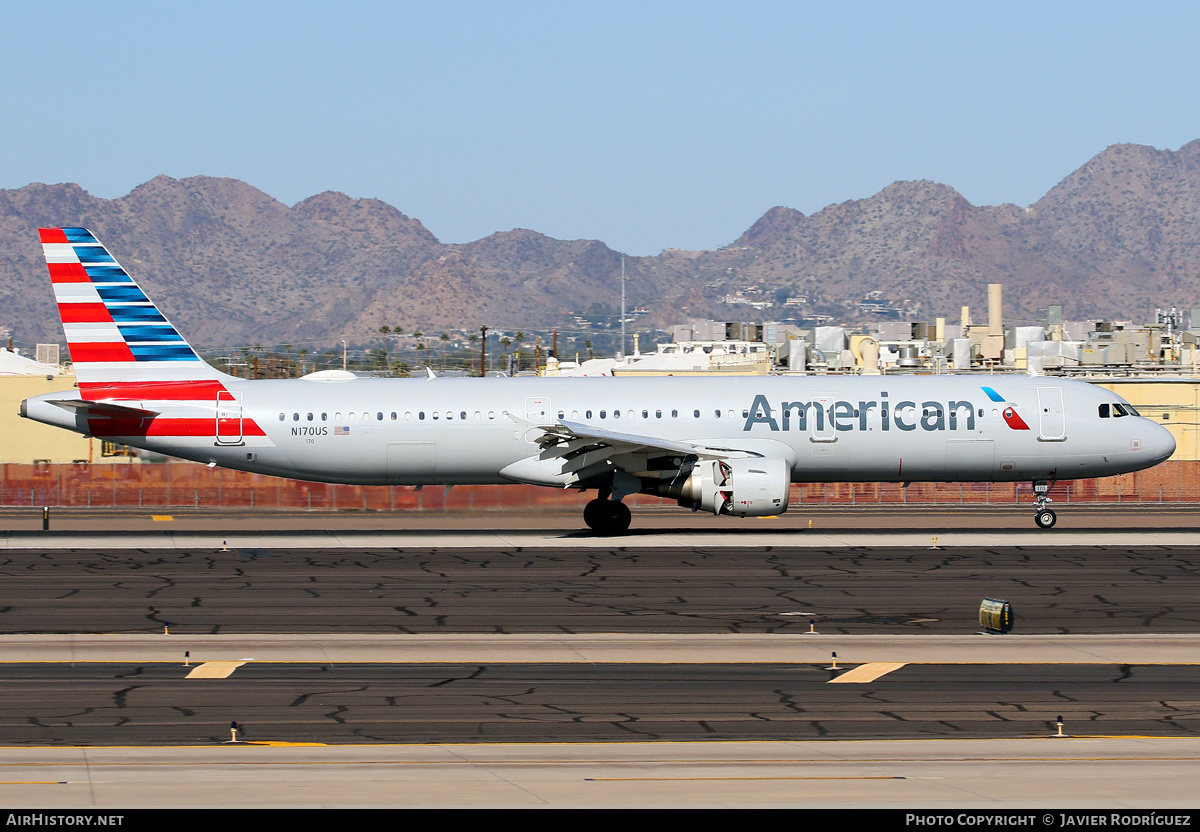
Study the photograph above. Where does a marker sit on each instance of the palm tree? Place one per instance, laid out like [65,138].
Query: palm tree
[397,332]
[385,330]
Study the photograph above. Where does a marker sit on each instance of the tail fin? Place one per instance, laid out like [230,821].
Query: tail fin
[114,333]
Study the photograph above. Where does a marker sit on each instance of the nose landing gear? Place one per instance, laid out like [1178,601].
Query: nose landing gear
[1044,518]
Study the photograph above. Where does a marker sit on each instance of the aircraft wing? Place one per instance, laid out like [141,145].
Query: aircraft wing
[634,443]
[573,453]
[564,438]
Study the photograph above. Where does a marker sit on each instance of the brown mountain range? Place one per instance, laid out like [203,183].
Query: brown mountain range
[232,266]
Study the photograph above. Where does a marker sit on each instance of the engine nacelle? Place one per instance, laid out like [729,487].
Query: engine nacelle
[739,487]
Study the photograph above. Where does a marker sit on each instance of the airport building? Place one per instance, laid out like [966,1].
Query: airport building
[26,441]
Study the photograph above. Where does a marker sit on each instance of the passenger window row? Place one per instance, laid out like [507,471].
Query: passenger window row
[394,416]
[633,414]
[1117,410]
[462,415]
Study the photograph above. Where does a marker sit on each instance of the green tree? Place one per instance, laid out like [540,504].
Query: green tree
[385,330]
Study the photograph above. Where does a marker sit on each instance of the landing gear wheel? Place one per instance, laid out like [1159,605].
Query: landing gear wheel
[1045,519]
[619,518]
[593,514]
[607,516]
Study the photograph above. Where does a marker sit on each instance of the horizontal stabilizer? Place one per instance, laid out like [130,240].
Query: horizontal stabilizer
[104,410]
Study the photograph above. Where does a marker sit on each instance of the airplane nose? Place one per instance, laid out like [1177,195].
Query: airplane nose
[1162,443]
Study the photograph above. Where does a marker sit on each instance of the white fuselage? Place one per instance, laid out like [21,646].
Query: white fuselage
[827,428]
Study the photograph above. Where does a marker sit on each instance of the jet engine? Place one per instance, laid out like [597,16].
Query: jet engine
[739,487]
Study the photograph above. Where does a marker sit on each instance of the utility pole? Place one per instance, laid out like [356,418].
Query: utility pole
[621,352]
[483,351]
[343,359]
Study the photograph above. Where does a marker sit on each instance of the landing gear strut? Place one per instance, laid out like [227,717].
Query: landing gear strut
[607,516]
[1043,517]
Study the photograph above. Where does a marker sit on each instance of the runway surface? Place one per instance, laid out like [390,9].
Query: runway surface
[1148,773]
[126,703]
[1073,518]
[388,643]
[269,588]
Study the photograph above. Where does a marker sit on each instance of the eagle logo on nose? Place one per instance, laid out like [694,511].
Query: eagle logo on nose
[1011,417]
[1014,420]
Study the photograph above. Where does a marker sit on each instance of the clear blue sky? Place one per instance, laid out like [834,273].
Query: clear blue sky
[646,125]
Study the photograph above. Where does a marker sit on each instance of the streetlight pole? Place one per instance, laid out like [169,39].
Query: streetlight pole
[622,351]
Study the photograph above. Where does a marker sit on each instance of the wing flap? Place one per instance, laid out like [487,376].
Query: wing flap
[573,453]
[632,442]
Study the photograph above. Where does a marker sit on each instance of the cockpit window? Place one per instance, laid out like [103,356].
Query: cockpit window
[1117,410]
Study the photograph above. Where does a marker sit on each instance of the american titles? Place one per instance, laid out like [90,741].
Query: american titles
[828,415]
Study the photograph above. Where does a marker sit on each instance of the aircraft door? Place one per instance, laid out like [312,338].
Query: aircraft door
[229,418]
[1052,425]
[537,410]
[820,424]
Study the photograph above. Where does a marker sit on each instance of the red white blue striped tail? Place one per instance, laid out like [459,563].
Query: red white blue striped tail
[115,334]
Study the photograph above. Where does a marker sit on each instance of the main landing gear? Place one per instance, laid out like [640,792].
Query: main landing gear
[607,516]
[1043,517]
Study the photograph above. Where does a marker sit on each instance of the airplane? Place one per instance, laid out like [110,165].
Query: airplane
[727,445]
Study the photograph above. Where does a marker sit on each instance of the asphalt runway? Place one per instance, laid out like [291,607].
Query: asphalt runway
[922,518]
[156,704]
[612,588]
[863,587]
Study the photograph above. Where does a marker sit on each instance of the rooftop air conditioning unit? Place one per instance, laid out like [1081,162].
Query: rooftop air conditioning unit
[47,354]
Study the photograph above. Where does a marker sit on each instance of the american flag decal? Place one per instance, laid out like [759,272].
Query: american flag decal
[341,430]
